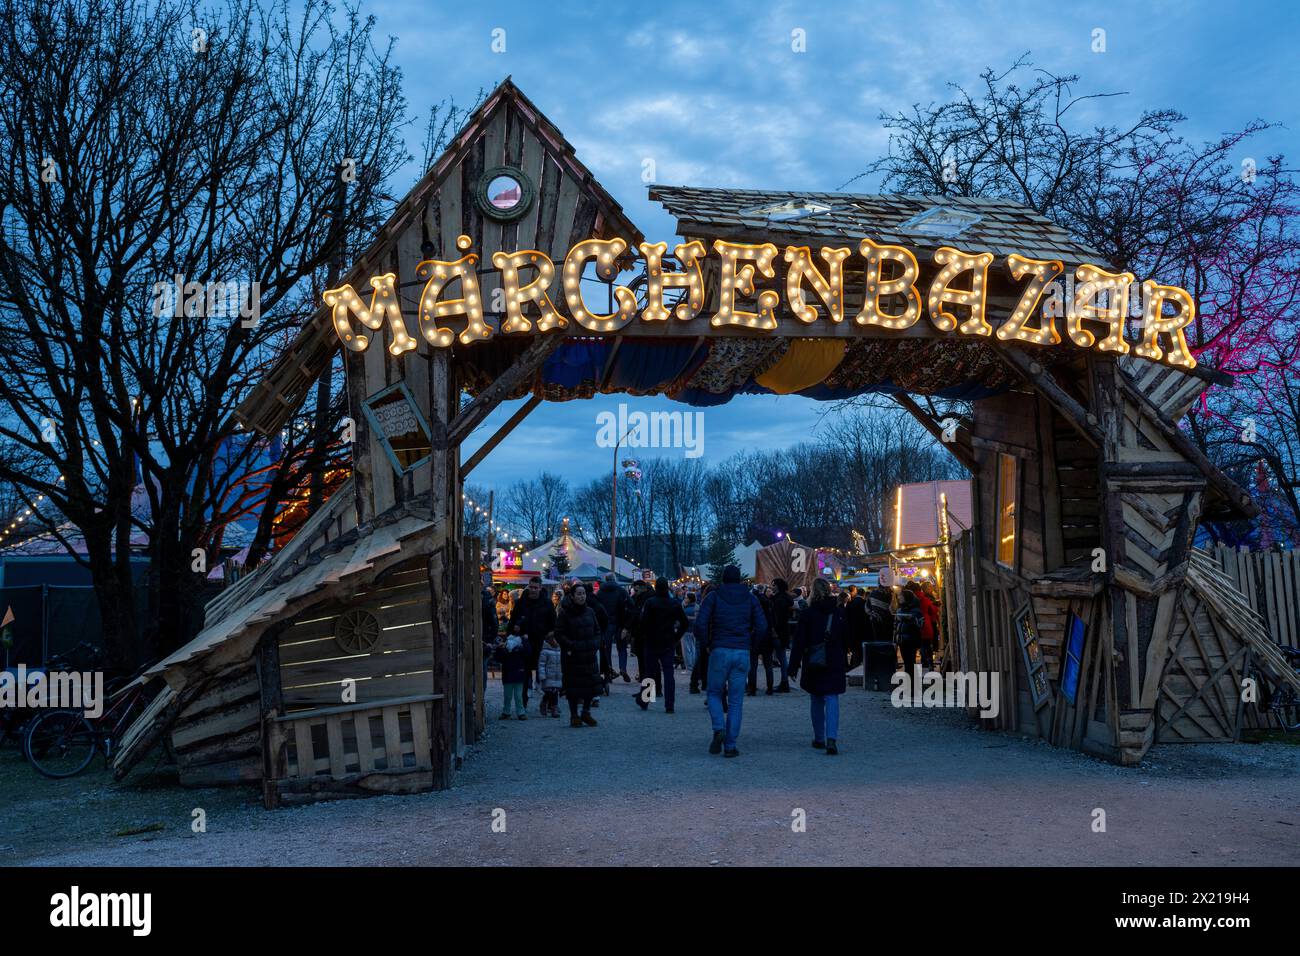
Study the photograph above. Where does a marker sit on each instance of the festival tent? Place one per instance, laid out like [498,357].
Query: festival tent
[798,564]
[579,553]
[746,555]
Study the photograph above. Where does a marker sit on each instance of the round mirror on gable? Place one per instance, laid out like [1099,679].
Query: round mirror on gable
[504,193]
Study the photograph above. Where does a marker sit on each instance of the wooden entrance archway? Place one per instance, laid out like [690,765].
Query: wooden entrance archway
[1082,443]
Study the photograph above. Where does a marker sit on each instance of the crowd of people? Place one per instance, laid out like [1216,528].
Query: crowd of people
[576,641]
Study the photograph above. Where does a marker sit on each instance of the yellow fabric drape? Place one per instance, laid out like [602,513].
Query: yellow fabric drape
[806,363]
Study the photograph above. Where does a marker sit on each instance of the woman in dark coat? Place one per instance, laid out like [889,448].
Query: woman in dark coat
[909,622]
[823,620]
[578,631]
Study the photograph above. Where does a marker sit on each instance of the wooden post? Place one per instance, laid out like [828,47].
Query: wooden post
[272,706]
[444,564]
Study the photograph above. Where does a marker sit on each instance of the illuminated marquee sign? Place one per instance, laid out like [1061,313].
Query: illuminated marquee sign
[954,302]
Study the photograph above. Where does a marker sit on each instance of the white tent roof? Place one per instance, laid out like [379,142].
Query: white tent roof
[747,559]
[579,552]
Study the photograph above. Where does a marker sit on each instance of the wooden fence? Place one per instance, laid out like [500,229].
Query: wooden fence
[1271,582]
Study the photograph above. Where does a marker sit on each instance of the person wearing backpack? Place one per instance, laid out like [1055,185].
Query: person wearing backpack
[818,650]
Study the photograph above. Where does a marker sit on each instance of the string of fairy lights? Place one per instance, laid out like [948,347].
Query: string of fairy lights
[16,525]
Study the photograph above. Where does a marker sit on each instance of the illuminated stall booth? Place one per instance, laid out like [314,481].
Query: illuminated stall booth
[927,515]
[350,663]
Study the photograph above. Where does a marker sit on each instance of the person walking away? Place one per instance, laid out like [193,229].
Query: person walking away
[617,605]
[782,613]
[640,594]
[578,632]
[762,649]
[550,675]
[819,651]
[700,672]
[691,608]
[513,654]
[662,619]
[731,621]
[908,622]
[533,617]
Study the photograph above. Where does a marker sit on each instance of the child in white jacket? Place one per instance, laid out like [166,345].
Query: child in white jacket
[550,676]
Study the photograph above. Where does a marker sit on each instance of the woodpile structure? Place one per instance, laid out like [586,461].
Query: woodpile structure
[351,662]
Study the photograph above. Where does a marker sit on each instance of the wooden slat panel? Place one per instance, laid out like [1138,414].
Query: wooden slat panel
[334,735]
[306,752]
[392,738]
[365,743]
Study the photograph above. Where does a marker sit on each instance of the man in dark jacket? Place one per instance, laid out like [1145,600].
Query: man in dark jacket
[533,617]
[662,622]
[640,594]
[618,611]
[730,622]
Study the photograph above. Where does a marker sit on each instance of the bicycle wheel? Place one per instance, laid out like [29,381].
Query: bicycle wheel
[60,743]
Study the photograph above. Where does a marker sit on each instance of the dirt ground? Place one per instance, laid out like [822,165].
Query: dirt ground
[909,787]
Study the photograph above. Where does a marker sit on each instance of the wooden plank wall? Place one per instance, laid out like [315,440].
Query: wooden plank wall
[1200,697]
[217,738]
[313,667]
[1270,580]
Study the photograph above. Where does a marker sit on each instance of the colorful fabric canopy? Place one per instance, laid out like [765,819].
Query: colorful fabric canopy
[805,363]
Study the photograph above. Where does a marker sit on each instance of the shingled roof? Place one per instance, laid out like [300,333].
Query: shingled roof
[999,226]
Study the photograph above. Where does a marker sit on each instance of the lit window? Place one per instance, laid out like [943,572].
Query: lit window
[1006,510]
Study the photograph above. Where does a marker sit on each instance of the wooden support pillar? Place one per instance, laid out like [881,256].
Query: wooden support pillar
[274,743]
[444,565]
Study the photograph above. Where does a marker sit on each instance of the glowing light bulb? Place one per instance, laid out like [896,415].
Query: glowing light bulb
[737,280]
[1095,282]
[605,252]
[1155,324]
[878,287]
[516,295]
[954,262]
[1016,329]
[829,288]
[691,278]
[433,309]
[384,304]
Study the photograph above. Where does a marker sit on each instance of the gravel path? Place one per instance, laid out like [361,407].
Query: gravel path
[910,787]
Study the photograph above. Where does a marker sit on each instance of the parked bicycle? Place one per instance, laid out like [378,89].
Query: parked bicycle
[62,743]
[1284,703]
[15,722]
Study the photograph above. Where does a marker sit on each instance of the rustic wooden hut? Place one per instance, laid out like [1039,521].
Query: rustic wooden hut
[347,664]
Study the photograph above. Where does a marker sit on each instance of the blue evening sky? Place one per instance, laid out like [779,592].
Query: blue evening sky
[713,94]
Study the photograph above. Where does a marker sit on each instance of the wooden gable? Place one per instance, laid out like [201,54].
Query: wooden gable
[567,206]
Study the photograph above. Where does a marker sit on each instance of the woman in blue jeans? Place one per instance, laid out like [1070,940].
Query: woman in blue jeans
[822,624]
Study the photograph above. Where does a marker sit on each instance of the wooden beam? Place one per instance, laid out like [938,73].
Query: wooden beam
[529,361]
[520,414]
[1083,420]
[1183,445]
[960,448]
